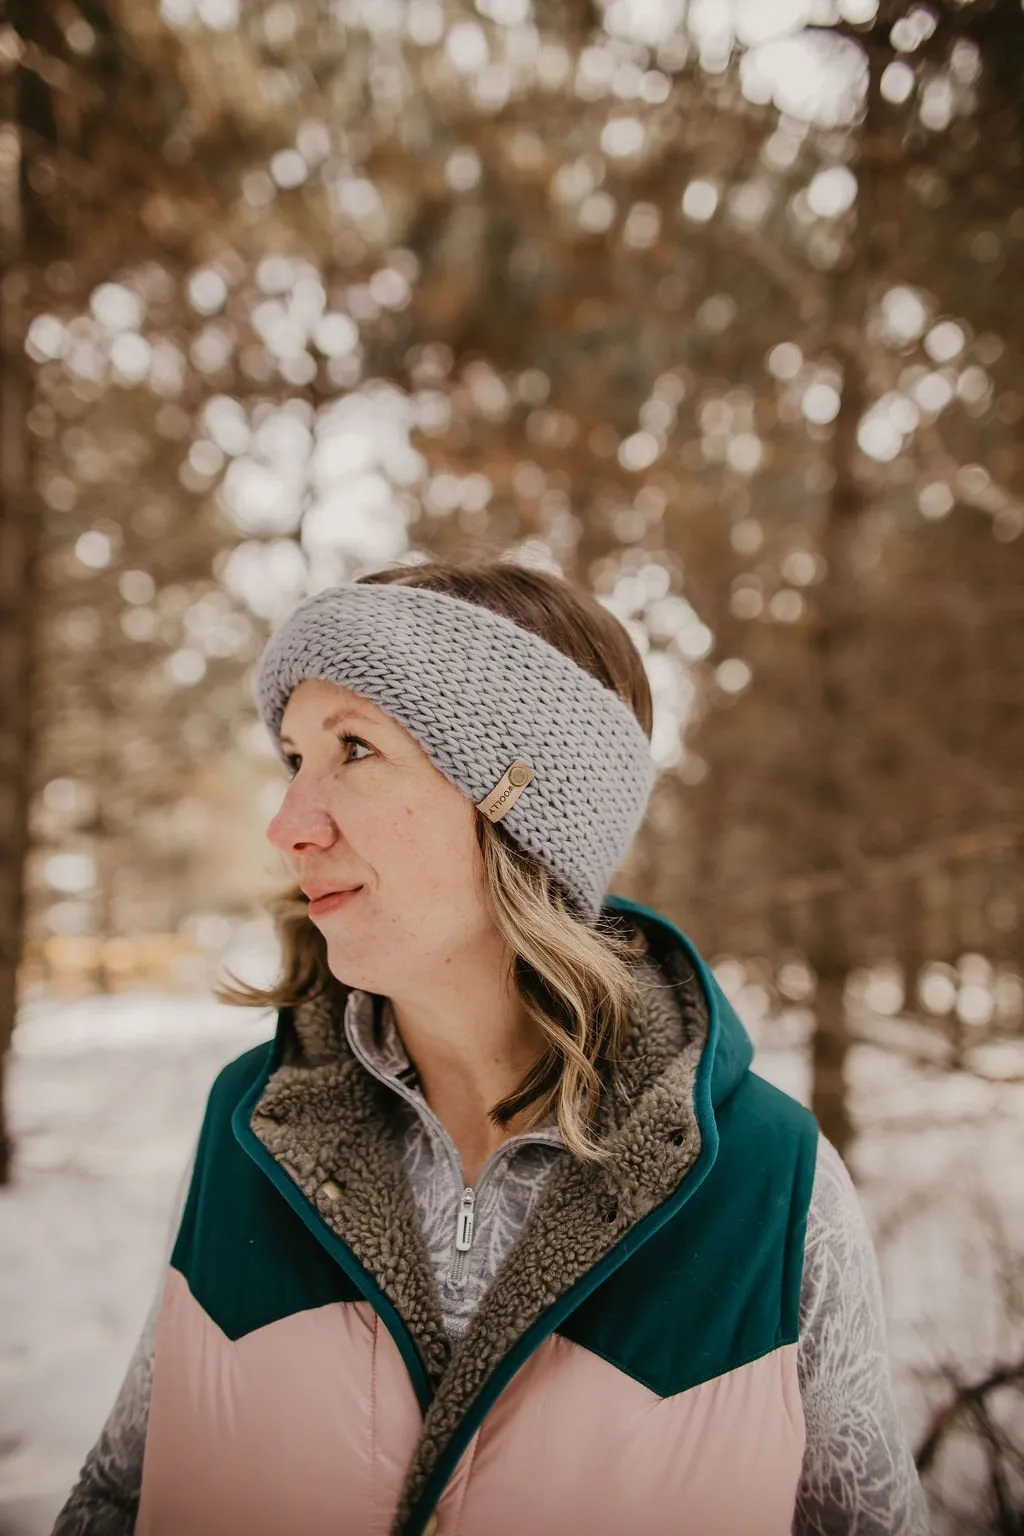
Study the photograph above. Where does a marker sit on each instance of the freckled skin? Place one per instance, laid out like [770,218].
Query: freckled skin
[420,931]
[390,820]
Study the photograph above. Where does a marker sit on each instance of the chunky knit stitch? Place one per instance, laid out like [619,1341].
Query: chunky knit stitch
[478,691]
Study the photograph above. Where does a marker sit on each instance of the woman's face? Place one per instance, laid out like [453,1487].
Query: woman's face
[374,812]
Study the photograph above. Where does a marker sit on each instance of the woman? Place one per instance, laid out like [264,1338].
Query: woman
[499,1234]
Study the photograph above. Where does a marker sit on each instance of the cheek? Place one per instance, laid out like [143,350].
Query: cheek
[432,848]
[426,901]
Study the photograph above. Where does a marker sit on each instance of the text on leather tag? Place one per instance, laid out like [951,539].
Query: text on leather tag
[507,790]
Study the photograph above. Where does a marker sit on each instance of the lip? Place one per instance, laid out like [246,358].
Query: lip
[331,900]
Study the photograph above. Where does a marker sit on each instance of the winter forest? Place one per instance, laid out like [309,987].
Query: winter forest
[715,306]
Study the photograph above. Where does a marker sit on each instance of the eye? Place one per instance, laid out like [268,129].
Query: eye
[353,741]
[294,759]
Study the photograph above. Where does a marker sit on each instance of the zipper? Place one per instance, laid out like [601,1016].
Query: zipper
[465,1220]
[464,1224]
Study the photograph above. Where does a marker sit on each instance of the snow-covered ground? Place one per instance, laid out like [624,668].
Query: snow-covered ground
[106,1096]
[107,1093]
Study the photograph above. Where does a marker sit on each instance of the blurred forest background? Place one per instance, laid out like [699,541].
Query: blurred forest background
[717,306]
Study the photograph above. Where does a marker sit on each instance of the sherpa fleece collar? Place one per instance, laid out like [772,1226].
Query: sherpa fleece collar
[325,1121]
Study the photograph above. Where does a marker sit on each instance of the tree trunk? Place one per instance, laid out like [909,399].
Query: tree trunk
[839,651]
[838,643]
[19,538]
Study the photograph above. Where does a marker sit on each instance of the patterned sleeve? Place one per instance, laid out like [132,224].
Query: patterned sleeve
[105,1499]
[858,1477]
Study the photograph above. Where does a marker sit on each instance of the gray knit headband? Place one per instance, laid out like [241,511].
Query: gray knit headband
[513,722]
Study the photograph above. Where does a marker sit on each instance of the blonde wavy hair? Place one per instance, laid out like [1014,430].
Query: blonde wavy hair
[578,983]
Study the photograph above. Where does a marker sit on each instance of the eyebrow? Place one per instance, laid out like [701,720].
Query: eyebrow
[330,721]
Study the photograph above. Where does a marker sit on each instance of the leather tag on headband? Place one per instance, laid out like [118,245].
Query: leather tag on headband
[507,790]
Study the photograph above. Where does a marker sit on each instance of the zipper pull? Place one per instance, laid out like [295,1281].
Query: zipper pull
[464,1225]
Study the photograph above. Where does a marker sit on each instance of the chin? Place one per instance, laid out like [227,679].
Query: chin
[345,976]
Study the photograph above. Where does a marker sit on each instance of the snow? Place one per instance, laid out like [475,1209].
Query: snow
[939,1166]
[106,1095]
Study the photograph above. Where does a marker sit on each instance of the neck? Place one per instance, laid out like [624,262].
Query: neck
[471,1042]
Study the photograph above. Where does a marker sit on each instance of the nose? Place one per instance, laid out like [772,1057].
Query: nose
[302,822]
